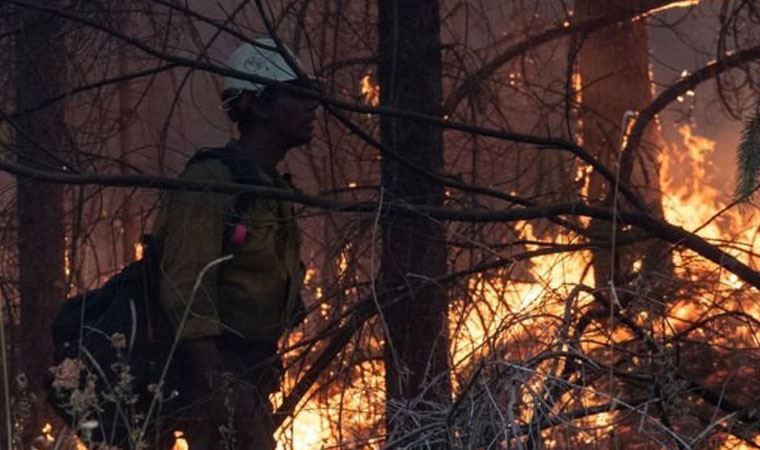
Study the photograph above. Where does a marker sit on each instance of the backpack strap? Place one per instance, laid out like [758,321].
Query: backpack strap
[226,156]
[242,202]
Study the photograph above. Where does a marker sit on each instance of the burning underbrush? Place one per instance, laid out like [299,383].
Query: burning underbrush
[542,359]
[664,361]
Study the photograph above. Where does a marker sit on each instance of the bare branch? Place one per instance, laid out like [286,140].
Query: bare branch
[668,96]
[581,26]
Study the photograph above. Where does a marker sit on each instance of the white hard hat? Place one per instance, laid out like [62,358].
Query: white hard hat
[260,61]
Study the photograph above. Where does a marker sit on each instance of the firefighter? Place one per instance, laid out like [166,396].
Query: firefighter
[229,315]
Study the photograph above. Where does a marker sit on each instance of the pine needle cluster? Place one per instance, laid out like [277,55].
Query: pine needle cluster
[748,157]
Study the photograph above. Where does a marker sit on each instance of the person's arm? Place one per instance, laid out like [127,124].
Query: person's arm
[194,228]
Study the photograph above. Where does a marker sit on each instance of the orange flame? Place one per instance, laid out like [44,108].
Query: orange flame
[180,443]
[370,90]
[515,309]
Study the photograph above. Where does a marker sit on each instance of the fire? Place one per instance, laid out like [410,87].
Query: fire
[509,307]
[505,314]
[688,200]
[691,202]
[675,5]
[347,410]
[180,443]
[510,315]
[67,260]
[356,405]
[139,250]
[734,443]
[47,432]
[343,260]
[629,120]
[672,5]
[577,83]
[370,90]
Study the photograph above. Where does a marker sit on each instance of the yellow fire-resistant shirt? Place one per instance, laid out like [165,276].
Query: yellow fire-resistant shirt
[256,294]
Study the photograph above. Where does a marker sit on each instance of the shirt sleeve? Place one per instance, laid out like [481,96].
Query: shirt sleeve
[193,233]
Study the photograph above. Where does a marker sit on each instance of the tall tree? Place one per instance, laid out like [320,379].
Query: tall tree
[613,89]
[128,212]
[414,250]
[39,137]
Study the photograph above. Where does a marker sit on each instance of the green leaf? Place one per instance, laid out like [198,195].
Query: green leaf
[748,158]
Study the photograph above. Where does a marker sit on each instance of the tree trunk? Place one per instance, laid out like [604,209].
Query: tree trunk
[414,250]
[40,67]
[128,213]
[616,83]
[613,64]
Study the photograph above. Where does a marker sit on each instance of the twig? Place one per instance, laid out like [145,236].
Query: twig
[158,394]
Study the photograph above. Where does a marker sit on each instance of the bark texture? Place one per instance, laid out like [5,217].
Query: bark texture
[616,83]
[129,212]
[40,136]
[613,65]
[414,251]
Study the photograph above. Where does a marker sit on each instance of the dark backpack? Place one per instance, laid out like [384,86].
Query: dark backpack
[111,346]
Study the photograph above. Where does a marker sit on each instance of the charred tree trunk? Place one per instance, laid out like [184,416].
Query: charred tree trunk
[40,136]
[414,250]
[613,64]
[616,83]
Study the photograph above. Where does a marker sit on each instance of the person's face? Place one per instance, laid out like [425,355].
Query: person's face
[293,117]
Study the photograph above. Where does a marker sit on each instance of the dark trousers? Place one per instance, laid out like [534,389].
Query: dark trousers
[231,411]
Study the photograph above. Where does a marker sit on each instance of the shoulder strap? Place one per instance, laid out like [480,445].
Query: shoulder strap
[223,155]
[243,200]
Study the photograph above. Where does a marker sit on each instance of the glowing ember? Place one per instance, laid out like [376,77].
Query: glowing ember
[67,261]
[47,432]
[343,260]
[671,5]
[370,90]
[139,249]
[180,443]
